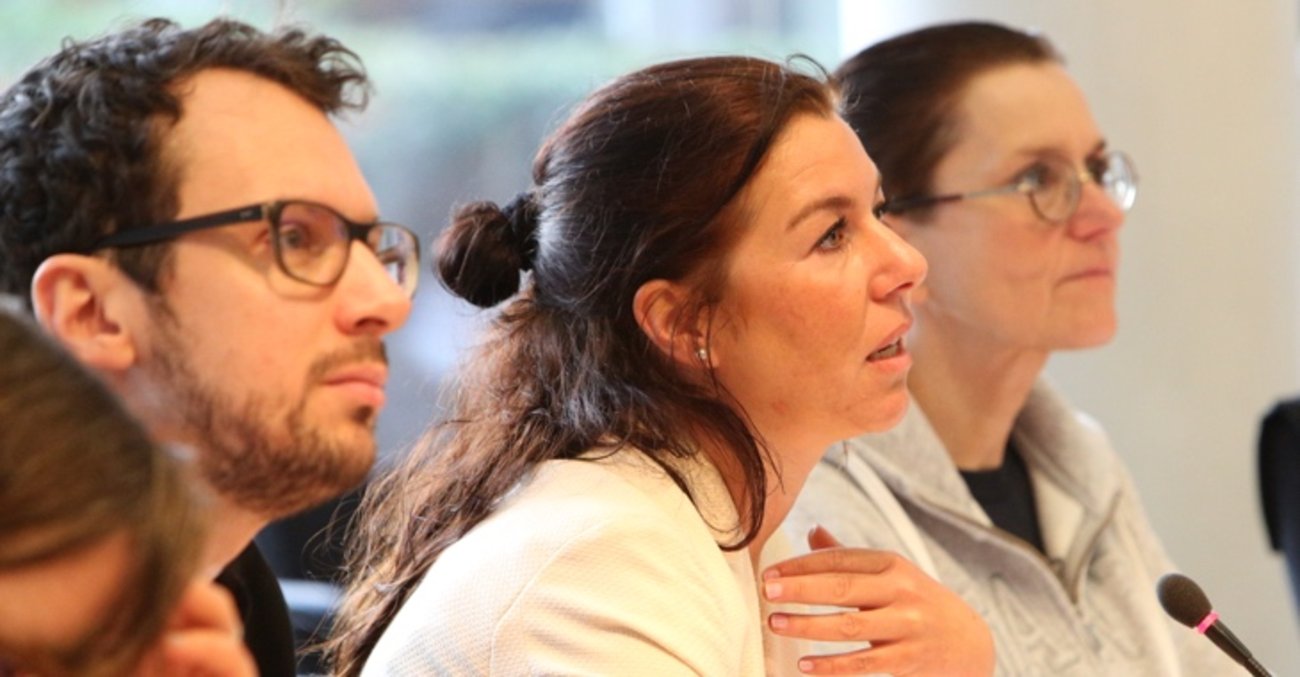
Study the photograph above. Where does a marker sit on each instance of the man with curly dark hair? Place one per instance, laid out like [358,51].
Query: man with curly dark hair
[183,216]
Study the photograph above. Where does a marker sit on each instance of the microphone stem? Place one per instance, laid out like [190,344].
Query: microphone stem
[1255,669]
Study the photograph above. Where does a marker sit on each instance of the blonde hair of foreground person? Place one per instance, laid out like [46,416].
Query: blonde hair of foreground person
[99,536]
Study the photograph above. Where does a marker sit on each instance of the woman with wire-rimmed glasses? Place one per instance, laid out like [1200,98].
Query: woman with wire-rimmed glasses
[994,168]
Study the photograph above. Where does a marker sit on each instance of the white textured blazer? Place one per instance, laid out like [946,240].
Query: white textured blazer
[589,567]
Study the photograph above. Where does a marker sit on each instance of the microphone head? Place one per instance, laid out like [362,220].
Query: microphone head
[1183,599]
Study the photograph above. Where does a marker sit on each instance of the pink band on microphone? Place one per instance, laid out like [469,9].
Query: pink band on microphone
[1206,622]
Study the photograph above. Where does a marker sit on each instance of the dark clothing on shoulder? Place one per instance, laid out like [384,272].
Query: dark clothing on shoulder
[1279,484]
[262,610]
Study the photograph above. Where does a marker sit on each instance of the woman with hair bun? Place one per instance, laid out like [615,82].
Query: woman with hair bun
[695,300]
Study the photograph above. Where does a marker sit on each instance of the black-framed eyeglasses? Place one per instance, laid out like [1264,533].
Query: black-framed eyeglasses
[311,241]
[1052,185]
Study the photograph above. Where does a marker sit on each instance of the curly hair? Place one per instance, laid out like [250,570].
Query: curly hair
[80,133]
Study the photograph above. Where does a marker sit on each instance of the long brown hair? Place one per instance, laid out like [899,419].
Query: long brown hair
[901,94]
[638,184]
[75,469]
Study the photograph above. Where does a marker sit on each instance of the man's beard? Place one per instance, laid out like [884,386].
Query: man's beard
[254,453]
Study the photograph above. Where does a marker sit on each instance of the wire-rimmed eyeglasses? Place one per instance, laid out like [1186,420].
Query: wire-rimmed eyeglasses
[311,241]
[1052,185]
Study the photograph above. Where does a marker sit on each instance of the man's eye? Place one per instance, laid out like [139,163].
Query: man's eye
[295,237]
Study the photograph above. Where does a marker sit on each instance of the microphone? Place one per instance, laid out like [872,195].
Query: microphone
[1186,603]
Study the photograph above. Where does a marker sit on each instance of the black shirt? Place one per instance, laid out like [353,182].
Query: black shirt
[1007,497]
[262,609]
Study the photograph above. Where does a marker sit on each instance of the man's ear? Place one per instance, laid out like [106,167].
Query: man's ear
[661,308]
[81,301]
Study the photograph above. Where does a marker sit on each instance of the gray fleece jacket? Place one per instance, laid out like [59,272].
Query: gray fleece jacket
[1086,608]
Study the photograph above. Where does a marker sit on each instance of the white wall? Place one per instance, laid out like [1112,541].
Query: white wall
[1203,94]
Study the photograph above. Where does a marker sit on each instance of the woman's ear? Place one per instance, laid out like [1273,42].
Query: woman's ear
[662,310]
[78,300]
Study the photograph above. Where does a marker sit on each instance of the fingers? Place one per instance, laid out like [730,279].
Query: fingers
[924,630]
[203,638]
[832,559]
[206,605]
[914,625]
[876,626]
[851,577]
[880,659]
[207,653]
[819,539]
[835,589]
[900,644]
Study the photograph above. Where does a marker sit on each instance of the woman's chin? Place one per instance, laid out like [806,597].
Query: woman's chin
[883,413]
[1094,335]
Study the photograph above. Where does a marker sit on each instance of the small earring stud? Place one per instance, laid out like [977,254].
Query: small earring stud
[703,354]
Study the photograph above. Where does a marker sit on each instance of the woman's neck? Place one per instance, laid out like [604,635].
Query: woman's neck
[971,390]
[781,494]
[783,485]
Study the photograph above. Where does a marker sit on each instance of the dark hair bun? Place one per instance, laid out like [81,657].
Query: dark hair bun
[482,255]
